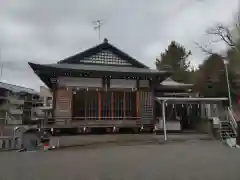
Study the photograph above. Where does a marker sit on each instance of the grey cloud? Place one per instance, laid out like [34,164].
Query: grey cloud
[46,31]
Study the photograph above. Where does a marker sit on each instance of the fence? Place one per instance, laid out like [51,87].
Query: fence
[10,143]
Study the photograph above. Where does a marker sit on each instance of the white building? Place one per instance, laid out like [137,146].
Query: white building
[46,96]
[16,104]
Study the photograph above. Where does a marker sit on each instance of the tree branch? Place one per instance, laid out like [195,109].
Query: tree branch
[204,49]
[224,33]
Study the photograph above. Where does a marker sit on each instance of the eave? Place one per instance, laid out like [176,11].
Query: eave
[48,72]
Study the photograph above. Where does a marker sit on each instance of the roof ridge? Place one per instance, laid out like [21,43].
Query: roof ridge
[126,54]
[65,59]
[18,86]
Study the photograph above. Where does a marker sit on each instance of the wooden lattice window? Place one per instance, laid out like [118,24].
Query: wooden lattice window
[105,57]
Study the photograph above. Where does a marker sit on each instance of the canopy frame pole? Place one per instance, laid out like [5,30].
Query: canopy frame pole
[164,120]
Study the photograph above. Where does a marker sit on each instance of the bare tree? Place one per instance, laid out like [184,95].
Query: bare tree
[222,33]
[219,33]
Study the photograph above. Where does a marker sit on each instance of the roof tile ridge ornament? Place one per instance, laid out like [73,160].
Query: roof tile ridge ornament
[105,40]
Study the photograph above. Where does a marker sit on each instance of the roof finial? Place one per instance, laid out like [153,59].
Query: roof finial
[105,40]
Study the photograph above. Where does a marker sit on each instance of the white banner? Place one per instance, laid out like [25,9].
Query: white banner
[80,82]
[122,83]
[144,83]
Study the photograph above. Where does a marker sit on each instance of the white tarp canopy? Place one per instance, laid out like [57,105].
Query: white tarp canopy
[186,100]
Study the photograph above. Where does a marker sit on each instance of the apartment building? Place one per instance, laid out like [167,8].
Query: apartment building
[42,103]
[16,103]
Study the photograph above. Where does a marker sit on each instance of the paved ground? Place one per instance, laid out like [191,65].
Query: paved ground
[189,160]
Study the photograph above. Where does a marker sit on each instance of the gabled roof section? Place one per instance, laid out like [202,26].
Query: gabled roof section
[103,54]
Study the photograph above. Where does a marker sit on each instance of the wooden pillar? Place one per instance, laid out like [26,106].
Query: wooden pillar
[124,104]
[164,120]
[137,98]
[70,107]
[152,84]
[99,105]
[112,105]
[137,104]
[85,94]
[54,100]
[154,106]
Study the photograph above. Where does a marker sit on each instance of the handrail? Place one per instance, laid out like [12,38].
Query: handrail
[233,120]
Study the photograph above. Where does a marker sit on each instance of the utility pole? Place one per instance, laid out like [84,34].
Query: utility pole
[228,83]
[97,26]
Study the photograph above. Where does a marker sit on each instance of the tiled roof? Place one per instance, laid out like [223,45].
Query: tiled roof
[103,68]
[17,89]
[170,82]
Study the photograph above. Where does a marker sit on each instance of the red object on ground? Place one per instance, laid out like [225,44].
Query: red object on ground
[45,147]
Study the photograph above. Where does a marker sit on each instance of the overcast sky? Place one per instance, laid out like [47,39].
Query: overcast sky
[46,31]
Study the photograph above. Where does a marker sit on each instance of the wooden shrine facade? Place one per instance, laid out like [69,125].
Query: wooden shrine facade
[101,84]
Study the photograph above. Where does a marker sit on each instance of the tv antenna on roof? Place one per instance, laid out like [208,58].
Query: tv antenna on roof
[1,67]
[97,26]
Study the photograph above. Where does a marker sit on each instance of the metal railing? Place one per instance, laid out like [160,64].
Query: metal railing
[11,119]
[15,111]
[232,120]
[10,143]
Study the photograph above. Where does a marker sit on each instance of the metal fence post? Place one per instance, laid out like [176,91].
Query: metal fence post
[164,120]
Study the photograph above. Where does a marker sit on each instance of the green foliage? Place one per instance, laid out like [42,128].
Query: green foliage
[175,58]
[211,80]
[233,55]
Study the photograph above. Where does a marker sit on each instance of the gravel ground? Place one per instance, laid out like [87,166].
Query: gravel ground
[189,160]
[89,140]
